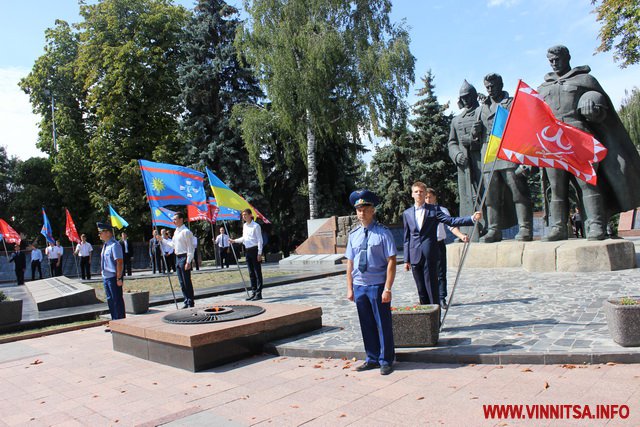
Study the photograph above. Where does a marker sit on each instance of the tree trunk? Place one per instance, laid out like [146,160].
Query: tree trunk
[312,170]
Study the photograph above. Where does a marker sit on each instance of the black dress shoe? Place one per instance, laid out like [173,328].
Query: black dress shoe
[385,369]
[185,305]
[367,366]
[251,298]
[443,304]
[257,297]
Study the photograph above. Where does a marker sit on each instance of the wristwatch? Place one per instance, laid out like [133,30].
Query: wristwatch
[387,289]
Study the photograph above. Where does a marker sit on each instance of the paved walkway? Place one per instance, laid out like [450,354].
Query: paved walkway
[498,316]
[76,379]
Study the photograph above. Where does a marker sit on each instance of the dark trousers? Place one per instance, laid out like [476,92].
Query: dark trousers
[426,278]
[114,298]
[126,263]
[184,277]
[442,269]
[195,259]
[20,275]
[224,257]
[36,265]
[171,261]
[55,270]
[255,270]
[85,267]
[375,323]
[159,262]
[578,229]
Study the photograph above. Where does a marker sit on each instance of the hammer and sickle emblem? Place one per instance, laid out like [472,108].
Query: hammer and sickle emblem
[557,139]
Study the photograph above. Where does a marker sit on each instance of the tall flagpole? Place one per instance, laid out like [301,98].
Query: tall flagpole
[467,244]
[164,259]
[237,262]
[5,248]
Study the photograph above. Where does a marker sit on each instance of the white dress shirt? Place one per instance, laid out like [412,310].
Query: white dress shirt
[251,236]
[84,249]
[36,255]
[419,210]
[222,241]
[182,242]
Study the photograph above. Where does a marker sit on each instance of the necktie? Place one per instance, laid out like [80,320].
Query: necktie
[362,263]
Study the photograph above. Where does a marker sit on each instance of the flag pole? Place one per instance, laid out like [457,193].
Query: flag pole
[467,244]
[215,252]
[6,252]
[237,262]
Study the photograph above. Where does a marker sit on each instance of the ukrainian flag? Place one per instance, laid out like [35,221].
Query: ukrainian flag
[116,220]
[495,139]
[226,197]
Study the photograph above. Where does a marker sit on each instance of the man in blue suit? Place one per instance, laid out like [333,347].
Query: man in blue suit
[421,241]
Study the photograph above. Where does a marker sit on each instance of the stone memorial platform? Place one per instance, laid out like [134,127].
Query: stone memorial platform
[61,292]
[196,347]
[322,259]
[576,255]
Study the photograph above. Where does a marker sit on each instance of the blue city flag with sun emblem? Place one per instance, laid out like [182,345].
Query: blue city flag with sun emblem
[172,185]
[162,217]
[46,230]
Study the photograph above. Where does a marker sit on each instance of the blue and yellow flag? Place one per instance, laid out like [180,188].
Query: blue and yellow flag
[495,139]
[173,185]
[46,228]
[226,197]
[162,217]
[116,220]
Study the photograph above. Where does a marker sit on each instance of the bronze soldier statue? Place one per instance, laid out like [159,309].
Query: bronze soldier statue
[464,150]
[577,98]
[508,187]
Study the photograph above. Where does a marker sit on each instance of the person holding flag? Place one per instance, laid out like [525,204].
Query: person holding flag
[182,244]
[252,240]
[36,261]
[577,99]
[20,262]
[505,182]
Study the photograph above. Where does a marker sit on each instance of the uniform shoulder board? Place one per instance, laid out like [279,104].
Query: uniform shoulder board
[355,229]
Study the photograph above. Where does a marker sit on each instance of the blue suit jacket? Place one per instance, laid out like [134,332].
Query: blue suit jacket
[419,244]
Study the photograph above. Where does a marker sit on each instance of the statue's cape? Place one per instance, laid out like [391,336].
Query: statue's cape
[619,172]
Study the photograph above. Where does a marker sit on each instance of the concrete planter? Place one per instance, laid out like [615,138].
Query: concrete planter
[10,312]
[623,322]
[136,302]
[416,328]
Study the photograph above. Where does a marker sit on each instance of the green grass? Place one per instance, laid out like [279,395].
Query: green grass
[160,285]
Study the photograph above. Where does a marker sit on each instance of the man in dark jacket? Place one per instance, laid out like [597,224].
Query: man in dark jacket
[20,262]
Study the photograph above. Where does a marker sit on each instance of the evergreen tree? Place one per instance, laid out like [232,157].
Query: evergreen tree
[630,115]
[212,81]
[416,155]
[428,158]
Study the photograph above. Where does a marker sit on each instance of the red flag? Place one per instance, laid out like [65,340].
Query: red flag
[533,136]
[9,234]
[260,216]
[70,229]
[196,214]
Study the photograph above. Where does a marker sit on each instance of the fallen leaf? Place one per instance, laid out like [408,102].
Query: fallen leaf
[526,370]
[420,398]
[611,364]
[354,359]
[343,358]
[317,366]
[474,398]
[36,362]
[546,385]
[342,415]
[123,391]
[294,406]
[569,366]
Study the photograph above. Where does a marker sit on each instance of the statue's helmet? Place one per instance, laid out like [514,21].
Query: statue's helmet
[467,89]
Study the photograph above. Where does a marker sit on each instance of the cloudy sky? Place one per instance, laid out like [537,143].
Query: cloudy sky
[457,40]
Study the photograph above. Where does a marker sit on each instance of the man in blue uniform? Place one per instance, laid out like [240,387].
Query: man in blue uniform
[112,271]
[371,270]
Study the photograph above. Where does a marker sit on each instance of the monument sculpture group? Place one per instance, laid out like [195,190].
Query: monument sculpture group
[576,98]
